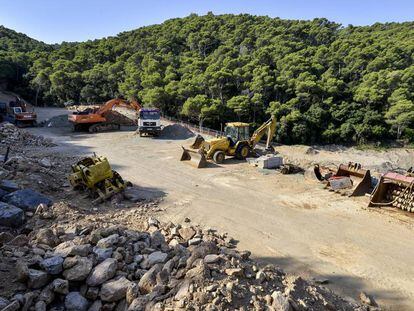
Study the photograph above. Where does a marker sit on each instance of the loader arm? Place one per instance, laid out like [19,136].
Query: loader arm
[268,128]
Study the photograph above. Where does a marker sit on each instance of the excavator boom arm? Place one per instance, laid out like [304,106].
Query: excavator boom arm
[118,102]
[268,128]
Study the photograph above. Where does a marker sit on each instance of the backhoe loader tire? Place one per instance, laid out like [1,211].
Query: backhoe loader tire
[219,157]
[242,152]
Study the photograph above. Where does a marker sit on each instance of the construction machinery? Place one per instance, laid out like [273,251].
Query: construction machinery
[149,122]
[95,175]
[394,190]
[16,110]
[236,143]
[349,179]
[97,119]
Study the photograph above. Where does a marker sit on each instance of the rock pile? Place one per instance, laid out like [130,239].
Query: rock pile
[176,131]
[15,202]
[166,267]
[10,135]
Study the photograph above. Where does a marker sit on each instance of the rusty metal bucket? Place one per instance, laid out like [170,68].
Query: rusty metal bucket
[361,178]
[195,158]
[318,173]
[394,190]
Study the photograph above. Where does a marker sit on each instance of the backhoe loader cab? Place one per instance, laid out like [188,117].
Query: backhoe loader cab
[237,131]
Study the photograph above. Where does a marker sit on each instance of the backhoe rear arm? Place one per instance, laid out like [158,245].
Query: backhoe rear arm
[268,128]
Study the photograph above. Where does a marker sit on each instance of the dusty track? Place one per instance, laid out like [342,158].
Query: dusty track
[281,219]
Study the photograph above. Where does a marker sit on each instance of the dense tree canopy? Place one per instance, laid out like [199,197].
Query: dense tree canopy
[324,82]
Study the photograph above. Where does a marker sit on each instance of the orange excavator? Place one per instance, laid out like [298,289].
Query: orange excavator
[96,119]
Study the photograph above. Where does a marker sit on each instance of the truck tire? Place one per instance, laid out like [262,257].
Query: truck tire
[219,157]
[242,151]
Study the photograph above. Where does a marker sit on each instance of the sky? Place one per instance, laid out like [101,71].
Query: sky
[54,21]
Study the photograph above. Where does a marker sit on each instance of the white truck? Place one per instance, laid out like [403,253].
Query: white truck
[149,121]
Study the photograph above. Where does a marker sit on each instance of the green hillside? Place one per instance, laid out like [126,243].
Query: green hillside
[324,82]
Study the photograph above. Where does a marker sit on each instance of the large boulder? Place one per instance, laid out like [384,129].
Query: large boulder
[115,290]
[74,301]
[11,216]
[108,241]
[47,236]
[80,270]
[52,265]
[2,193]
[104,271]
[8,185]
[37,279]
[149,279]
[27,199]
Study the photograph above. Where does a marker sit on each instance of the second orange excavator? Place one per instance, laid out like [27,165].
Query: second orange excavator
[96,119]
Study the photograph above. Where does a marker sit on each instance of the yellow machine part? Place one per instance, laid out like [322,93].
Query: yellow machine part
[96,175]
[90,171]
[195,157]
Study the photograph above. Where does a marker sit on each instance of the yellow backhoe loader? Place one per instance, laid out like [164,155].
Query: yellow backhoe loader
[236,143]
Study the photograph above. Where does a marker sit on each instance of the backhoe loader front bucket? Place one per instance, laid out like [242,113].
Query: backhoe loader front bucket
[197,143]
[394,190]
[360,178]
[195,158]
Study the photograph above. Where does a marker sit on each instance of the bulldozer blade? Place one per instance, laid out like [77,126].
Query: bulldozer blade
[361,178]
[198,142]
[195,158]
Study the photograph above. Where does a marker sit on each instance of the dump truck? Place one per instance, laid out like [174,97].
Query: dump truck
[149,122]
[349,179]
[237,142]
[95,119]
[16,110]
[95,176]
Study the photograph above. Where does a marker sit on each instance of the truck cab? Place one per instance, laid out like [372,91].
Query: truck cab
[149,121]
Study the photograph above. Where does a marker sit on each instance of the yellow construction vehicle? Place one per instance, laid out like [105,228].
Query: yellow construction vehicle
[95,175]
[236,143]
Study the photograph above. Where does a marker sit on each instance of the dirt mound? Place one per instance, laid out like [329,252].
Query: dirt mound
[119,118]
[58,121]
[176,131]
[10,135]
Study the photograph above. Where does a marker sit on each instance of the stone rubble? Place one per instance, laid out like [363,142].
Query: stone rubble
[10,135]
[115,268]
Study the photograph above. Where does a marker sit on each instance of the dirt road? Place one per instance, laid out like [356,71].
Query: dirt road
[281,219]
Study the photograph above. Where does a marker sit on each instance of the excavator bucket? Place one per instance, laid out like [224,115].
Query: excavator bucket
[349,179]
[197,143]
[360,178]
[394,190]
[195,158]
